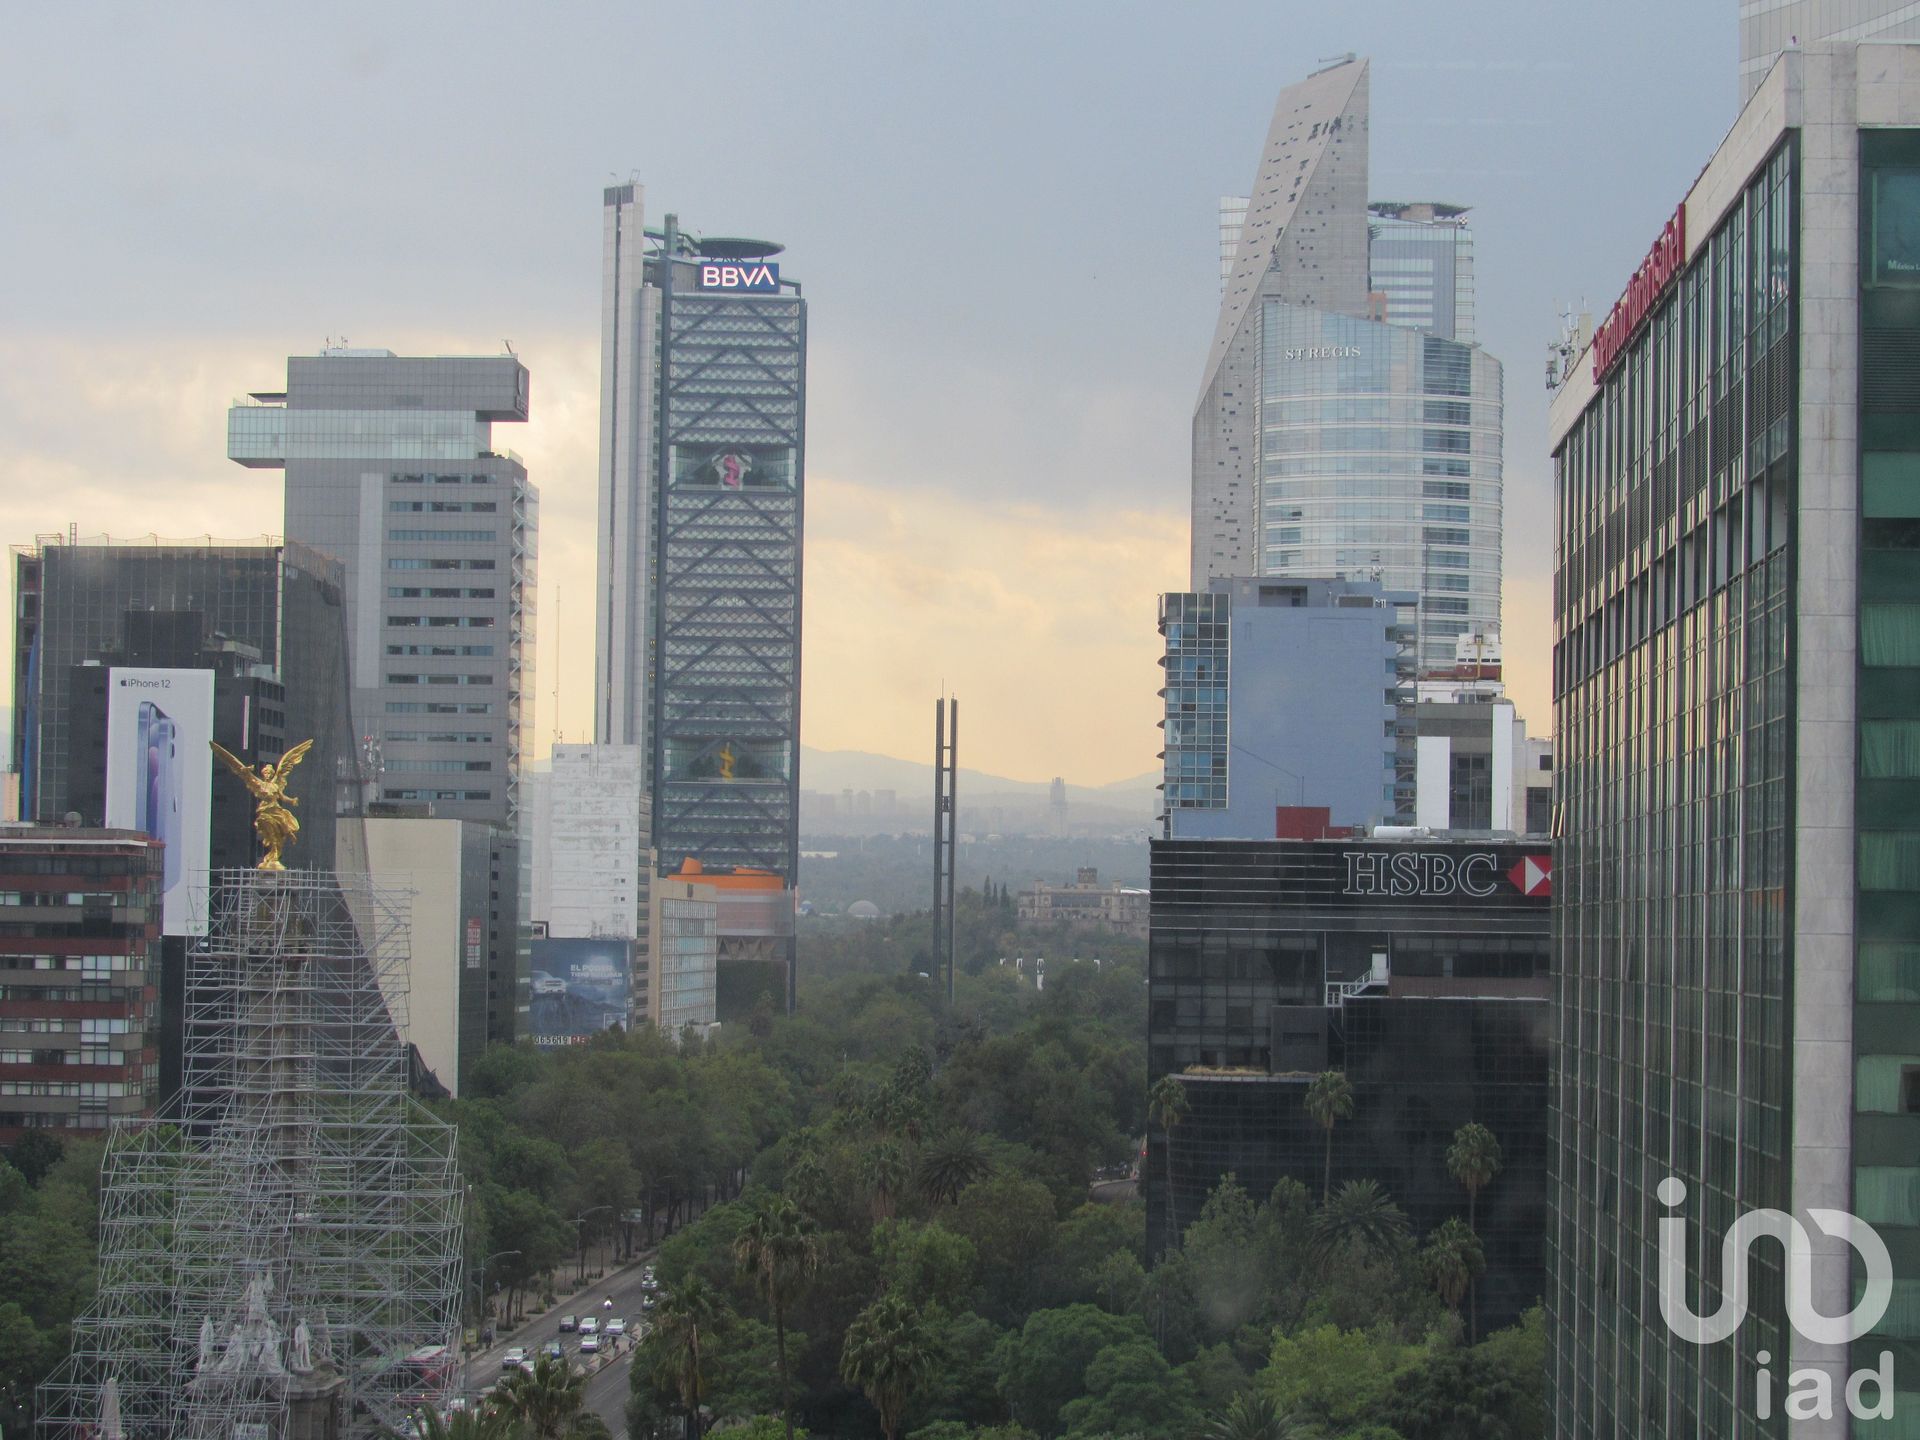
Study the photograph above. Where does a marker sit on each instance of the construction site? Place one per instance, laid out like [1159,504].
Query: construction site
[280,1259]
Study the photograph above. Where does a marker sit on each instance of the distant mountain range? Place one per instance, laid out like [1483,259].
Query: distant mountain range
[832,771]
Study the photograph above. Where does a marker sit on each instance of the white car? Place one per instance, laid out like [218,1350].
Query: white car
[616,1327]
[589,1344]
[514,1359]
[589,1325]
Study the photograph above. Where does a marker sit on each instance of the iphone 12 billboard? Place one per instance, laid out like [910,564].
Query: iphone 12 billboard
[160,777]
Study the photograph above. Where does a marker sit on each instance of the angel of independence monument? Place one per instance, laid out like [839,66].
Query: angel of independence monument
[284,1262]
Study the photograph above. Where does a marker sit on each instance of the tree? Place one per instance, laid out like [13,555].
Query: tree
[1359,1217]
[1336,1378]
[949,1162]
[1451,1259]
[780,1248]
[1473,1159]
[928,1264]
[884,1171]
[35,1153]
[1131,1390]
[547,1400]
[1258,1416]
[1458,1395]
[1044,1363]
[887,1355]
[1166,1107]
[685,1315]
[1329,1100]
[489,1422]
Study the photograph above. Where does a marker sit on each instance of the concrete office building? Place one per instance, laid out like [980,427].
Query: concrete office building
[1737,684]
[1286,694]
[1419,968]
[391,468]
[1345,427]
[80,979]
[684,946]
[1769,27]
[702,464]
[591,865]
[444,864]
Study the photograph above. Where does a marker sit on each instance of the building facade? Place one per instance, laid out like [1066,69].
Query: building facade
[391,468]
[1419,969]
[1346,425]
[1086,904]
[684,946]
[79,978]
[703,434]
[1767,30]
[1286,693]
[591,866]
[1737,683]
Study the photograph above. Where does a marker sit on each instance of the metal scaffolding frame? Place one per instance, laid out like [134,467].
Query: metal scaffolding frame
[295,1239]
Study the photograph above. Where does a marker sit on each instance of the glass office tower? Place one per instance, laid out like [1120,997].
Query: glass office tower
[1737,677]
[1347,425]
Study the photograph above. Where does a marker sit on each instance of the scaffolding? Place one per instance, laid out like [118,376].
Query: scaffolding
[283,1262]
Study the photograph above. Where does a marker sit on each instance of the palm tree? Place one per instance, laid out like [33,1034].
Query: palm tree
[887,1354]
[489,1422]
[949,1162]
[780,1248]
[1166,1107]
[685,1313]
[1255,1415]
[1329,1099]
[807,1180]
[1359,1216]
[547,1399]
[885,1171]
[1473,1159]
[1452,1259]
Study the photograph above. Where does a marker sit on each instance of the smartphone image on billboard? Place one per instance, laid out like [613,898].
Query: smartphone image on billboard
[157,801]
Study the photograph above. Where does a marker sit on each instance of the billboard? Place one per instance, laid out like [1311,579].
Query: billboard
[580,987]
[160,777]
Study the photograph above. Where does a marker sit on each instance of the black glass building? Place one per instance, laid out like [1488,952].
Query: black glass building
[1417,967]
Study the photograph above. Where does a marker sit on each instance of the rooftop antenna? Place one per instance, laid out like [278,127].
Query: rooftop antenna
[509,345]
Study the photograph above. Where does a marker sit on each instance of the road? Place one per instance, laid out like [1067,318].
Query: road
[607,1387]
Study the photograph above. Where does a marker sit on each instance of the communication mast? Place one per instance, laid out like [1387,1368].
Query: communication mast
[946,743]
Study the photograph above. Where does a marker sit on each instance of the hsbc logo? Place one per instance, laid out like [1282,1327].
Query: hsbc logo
[1533,875]
[1437,874]
[756,279]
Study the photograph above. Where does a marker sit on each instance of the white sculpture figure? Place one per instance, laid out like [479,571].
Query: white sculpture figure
[206,1344]
[300,1352]
[254,1342]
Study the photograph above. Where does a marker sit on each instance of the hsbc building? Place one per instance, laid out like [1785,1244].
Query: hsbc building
[1419,967]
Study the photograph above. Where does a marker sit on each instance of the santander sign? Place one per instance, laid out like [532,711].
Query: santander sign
[1656,274]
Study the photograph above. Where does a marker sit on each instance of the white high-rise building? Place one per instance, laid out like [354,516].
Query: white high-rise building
[1347,428]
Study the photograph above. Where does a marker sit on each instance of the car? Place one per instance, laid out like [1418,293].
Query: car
[646,1302]
[647,1282]
[589,1344]
[589,1325]
[514,1359]
[569,1324]
[616,1327]
[545,984]
[554,1350]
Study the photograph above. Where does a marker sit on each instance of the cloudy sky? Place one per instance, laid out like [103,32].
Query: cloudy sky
[1003,215]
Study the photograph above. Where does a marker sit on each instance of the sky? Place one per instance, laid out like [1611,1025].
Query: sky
[1003,215]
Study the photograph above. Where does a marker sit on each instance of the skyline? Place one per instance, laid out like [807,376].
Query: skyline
[1001,399]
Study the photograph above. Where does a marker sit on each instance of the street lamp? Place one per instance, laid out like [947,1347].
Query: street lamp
[466,1386]
[581,1233]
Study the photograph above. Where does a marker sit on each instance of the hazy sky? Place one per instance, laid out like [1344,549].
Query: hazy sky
[1002,214]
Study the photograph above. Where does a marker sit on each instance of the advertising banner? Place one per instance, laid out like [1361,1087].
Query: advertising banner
[160,777]
[580,987]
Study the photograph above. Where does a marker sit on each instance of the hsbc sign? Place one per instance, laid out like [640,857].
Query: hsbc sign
[1438,874]
[759,278]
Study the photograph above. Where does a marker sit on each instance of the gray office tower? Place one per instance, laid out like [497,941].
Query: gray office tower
[391,467]
[1347,426]
[702,436]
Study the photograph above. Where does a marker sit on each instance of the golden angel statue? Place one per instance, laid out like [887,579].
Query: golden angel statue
[273,822]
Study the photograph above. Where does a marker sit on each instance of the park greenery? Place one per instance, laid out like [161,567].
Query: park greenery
[885,1216]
